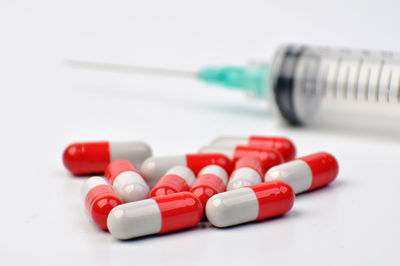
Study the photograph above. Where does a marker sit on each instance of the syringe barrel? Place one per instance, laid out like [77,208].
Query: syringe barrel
[306,79]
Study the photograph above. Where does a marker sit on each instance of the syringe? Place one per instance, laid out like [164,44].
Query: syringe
[301,80]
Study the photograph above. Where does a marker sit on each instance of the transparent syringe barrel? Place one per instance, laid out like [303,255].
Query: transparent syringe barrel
[308,80]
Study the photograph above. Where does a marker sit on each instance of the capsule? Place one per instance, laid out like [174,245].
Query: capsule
[246,172]
[126,180]
[93,157]
[177,179]
[155,167]
[211,180]
[100,198]
[284,145]
[251,203]
[306,173]
[155,216]
[269,157]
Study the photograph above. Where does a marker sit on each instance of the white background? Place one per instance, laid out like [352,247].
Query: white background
[44,106]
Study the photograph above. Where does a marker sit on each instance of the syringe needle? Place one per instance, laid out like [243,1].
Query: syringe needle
[130,68]
[250,79]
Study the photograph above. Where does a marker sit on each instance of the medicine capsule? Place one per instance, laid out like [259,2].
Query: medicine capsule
[155,216]
[211,180]
[306,173]
[126,180]
[269,157]
[251,203]
[284,145]
[246,172]
[155,167]
[93,157]
[177,179]
[100,198]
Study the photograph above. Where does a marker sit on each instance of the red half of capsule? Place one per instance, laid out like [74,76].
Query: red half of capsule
[178,211]
[284,145]
[87,158]
[269,157]
[250,162]
[117,167]
[99,202]
[206,186]
[169,184]
[324,168]
[274,198]
[196,162]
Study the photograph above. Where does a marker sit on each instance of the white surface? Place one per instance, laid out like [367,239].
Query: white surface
[296,173]
[91,183]
[232,207]
[215,170]
[135,219]
[183,172]
[242,177]
[134,151]
[44,106]
[156,167]
[130,186]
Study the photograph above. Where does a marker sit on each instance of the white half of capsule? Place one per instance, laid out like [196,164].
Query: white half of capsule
[228,151]
[154,168]
[296,173]
[135,219]
[130,186]
[242,177]
[215,170]
[230,141]
[184,172]
[91,183]
[232,207]
[134,151]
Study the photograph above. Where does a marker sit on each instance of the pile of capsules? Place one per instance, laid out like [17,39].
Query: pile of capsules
[229,182]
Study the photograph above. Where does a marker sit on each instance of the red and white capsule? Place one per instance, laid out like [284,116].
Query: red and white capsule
[284,145]
[177,179]
[155,167]
[269,157]
[126,180]
[155,216]
[87,158]
[211,180]
[306,173]
[246,172]
[100,198]
[251,203]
